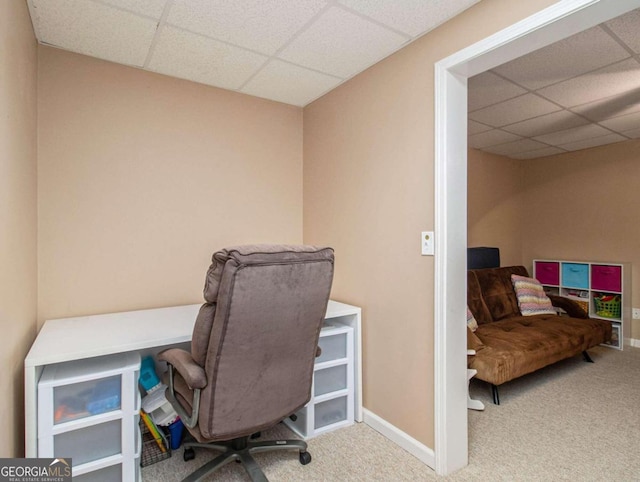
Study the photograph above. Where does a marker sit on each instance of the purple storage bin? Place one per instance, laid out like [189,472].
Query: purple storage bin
[606,278]
[548,273]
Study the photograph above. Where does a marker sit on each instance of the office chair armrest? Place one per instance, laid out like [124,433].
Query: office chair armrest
[182,360]
[192,374]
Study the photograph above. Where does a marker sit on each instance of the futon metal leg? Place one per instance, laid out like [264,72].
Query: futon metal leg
[494,391]
[586,356]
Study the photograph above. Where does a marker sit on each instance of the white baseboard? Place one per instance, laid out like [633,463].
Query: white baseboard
[634,342]
[393,433]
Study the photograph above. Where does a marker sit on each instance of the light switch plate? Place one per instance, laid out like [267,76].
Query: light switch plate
[427,243]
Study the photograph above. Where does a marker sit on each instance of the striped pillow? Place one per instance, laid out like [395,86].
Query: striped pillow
[532,299]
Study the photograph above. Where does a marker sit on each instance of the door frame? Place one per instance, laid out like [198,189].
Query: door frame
[554,23]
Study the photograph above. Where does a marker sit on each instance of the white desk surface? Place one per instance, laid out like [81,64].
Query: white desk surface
[67,339]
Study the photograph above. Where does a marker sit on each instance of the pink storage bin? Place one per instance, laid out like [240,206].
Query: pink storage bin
[548,273]
[606,278]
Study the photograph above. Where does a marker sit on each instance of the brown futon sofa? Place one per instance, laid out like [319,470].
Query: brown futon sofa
[509,345]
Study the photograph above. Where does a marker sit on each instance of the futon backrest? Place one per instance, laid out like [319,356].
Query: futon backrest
[490,293]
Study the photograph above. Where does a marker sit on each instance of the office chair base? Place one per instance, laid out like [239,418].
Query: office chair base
[240,450]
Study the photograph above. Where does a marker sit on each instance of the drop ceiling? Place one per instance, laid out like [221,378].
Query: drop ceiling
[578,93]
[291,51]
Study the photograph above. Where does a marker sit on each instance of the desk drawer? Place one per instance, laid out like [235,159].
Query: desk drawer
[547,272]
[606,278]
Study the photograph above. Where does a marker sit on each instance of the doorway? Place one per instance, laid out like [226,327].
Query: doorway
[557,22]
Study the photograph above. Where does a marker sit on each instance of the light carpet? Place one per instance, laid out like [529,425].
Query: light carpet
[572,421]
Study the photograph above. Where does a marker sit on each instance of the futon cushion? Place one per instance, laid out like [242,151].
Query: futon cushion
[523,344]
[532,299]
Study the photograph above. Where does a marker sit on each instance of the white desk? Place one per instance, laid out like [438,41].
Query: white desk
[69,339]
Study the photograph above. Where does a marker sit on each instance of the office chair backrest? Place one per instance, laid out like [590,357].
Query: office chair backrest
[258,333]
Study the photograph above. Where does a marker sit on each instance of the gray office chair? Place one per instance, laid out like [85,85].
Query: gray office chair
[252,353]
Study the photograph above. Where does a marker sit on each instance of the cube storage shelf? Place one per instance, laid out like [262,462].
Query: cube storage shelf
[332,395]
[587,282]
[88,410]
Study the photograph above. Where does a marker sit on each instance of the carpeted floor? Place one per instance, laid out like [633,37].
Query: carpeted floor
[572,421]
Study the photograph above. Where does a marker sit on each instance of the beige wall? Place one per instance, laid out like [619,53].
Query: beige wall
[585,206]
[18,64]
[141,177]
[368,191]
[494,204]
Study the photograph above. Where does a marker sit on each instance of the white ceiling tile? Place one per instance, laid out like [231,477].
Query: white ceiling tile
[572,135]
[547,151]
[614,106]
[413,17]
[341,43]
[303,85]
[626,27]
[514,110]
[476,128]
[593,142]
[623,123]
[578,54]
[544,124]
[488,88]
[491,138]
[94,29]
[150,8]
[511,148]
[615,79]
[634,134]
[254,24]
[194,57]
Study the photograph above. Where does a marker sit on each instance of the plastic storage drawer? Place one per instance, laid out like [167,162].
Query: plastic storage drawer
[89,444]
[548,273]
[113,473]
[84,399]
[334,347]
[328,380]
[330,412]
[575,275]
[606,278]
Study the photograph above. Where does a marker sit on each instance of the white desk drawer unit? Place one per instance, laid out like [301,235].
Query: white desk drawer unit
[88,410]
[332,401]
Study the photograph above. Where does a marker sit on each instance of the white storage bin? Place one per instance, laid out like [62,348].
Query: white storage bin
[89,444]
[328,380]
[157,405]
[330,412]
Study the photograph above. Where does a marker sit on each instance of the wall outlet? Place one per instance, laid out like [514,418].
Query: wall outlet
[635,313]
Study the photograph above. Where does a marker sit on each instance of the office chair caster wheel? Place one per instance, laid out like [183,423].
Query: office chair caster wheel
[255,435]
[305,458]
[188,454]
